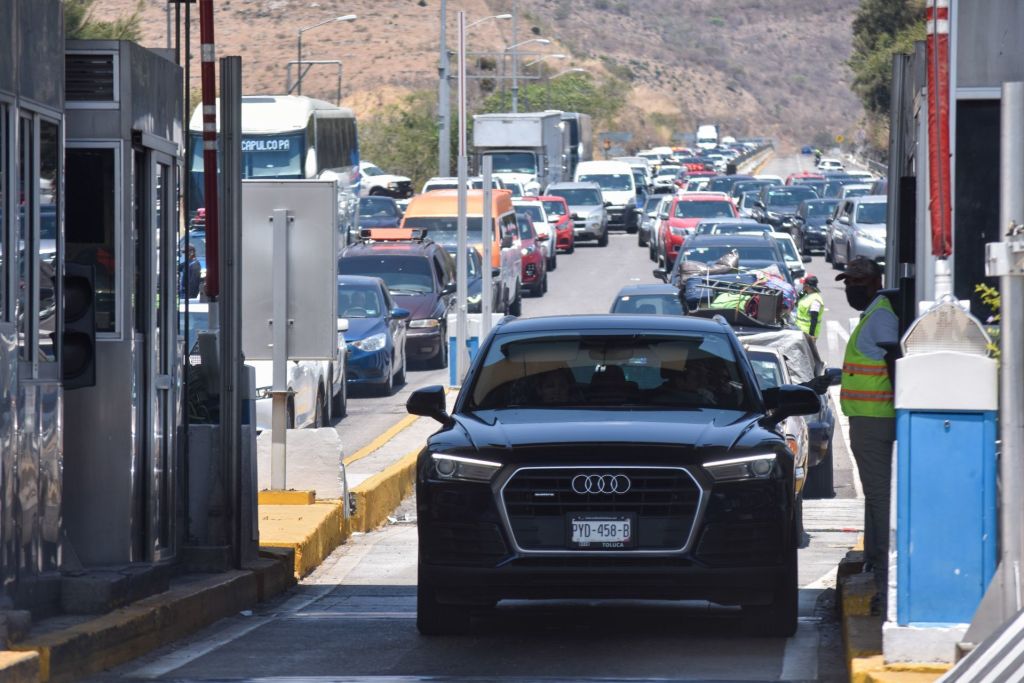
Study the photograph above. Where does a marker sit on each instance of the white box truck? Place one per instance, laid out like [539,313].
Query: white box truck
[531,148]
[707,136]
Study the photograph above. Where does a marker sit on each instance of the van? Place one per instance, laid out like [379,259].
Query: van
[618,189]
[437,212]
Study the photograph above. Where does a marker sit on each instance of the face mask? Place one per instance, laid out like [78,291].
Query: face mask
[857,296]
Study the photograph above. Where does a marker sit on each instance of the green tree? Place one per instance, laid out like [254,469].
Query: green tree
[403,138]
[581,92]
[79,24]
[881,29]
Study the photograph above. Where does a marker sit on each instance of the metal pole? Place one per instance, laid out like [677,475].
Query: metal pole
[279,390]
[461,357]
[230,303]
[515,58]
[1011,409]
[444,101]
[209,82]
[487,232]
[167,14]
[298,69]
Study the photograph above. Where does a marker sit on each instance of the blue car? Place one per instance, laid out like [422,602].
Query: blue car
[379,212]
[375,339]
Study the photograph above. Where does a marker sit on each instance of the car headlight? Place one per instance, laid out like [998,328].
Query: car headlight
[392,186]
[427,322]
[529,250]
[678,232]
[474,299]
[263,392]
[457,468]
[740,469]
[375,342]
[868,237]
[772,214]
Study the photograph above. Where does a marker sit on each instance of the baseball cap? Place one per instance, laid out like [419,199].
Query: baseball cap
[860,268]
[811,280]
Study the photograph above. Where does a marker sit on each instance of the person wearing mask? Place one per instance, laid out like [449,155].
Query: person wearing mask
[191,275]
[810,308]
[866,398]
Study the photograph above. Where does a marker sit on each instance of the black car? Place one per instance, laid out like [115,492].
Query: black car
[809,224]
[725,183]
[420,276]
[608,456]
[777,203]
[379,212]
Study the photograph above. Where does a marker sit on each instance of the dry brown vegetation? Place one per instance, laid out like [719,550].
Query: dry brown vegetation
[772,67]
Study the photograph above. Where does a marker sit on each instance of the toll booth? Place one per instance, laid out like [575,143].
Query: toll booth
[31,192]
[123,168]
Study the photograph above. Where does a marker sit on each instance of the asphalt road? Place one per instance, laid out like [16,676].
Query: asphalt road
[354,618]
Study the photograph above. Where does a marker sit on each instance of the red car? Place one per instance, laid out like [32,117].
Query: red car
[535,268]
[560,216]
[684,213]
[803,174]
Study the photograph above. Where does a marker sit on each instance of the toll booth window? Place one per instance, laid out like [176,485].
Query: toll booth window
[49,213]
[26,196]
[89,231]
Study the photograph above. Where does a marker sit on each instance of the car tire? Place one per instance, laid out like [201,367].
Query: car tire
[516,307]
[553,261]
[632,230]
[544,285]
[778,618]
[339,402]
[652,253]
[602,241]
[400,376]
[440,361]
[377,192]
[387,387]
[828,253]
[640,241]
[572,246]
[320,410]
[436,619]
[820,478]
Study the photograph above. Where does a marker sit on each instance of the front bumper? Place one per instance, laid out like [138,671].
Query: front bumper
[587,231]
[565,237]
[423,343]
[401,190]
[367,367]
[871,250]
[533,269]
[814,239]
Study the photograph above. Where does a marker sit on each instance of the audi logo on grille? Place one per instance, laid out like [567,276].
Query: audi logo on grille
[600,483]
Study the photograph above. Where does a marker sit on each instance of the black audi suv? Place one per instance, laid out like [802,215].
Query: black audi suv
[608,456]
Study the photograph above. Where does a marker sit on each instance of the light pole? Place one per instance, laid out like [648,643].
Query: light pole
[541,59]
[299,75]
[515,67]
[547,88]
[444,99]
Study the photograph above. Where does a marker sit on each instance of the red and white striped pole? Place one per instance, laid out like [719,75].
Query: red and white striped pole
[939,192]
[209,84]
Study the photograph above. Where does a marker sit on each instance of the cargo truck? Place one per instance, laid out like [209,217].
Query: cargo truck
[530,148]
[581,146]
[707,136]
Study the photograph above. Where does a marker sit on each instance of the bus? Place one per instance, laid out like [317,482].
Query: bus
[290,137]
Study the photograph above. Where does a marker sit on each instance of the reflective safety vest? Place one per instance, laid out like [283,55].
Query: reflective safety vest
[866,389]
[803,313]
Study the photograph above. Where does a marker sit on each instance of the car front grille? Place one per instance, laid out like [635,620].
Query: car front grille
[540,501]
[403,188]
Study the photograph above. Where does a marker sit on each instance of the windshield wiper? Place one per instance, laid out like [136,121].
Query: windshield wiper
[405,291]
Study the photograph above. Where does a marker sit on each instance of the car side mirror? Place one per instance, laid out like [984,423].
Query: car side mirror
[449,288]
[845,220]
[506,242]
[661,274]
[788,400]
[495,272]
[607,204]
[834,376]
[400,314]
[542,237]
[342,324]
[430,402]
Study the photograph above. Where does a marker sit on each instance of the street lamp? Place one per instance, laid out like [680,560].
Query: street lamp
[515,67]
[541,59]
[347,17]
[480,21]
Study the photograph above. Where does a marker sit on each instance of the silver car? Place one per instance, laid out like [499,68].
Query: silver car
[589,217]
[857,228]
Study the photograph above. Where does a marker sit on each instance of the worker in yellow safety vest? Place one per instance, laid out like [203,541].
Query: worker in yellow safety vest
[810,308]
[866,398]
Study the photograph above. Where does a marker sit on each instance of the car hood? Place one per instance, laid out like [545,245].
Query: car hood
[782,209]
[418,305]
[361,328]
[378,222]
[512,428]
[385,179]
[585,210]
[619,198]
[264,372]
[874,229]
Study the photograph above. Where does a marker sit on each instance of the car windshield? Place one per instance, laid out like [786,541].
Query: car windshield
[748,199]
[871,213]
[593,369]
[535,213]
[526,231]
[820,209]
[272,156]
[359,301]
[554,208]
[851,192]
[370,169]
[579,197]
[668,171]
[403,274]
[661,304]
[747,253]
[440,186]
[445,229]
[788,249]
[614,182]
[703,209]
[652,203]
[791,196]
[514,162]
[766,370]
[377,207]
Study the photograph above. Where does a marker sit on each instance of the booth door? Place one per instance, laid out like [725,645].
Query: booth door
[159,299]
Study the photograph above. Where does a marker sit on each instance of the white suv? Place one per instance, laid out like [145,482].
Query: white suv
[376,182]
[829,164]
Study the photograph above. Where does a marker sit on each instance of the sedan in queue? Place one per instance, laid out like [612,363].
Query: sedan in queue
[376,333]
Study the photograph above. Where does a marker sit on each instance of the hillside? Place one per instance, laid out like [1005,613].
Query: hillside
[773,67]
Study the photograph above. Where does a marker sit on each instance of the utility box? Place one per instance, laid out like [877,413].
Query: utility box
[944,554]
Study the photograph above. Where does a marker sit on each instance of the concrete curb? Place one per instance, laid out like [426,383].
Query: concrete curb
[132,631]
[311,532]
[380,494]
[862,633]
[19,667]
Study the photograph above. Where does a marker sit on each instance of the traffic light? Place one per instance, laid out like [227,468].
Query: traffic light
[78,360]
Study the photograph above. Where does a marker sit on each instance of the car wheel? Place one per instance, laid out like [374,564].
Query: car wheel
[553,261]
[828,253]
[440,361]
[820,478]
[640,241]
[377,192]
[516,307]
[436,619]
[400,378]
[544,285]
[602,241]
[339,402]
[778,618]
[652,254]
[632,229]
[572,246]
[387,387]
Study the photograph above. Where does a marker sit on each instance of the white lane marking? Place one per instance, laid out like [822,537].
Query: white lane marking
[800,660]
[826,580]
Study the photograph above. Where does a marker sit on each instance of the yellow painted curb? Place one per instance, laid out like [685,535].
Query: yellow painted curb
[380,494]
[287,497]
[875,670]
[19,667]
[379,442]
[311,531]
